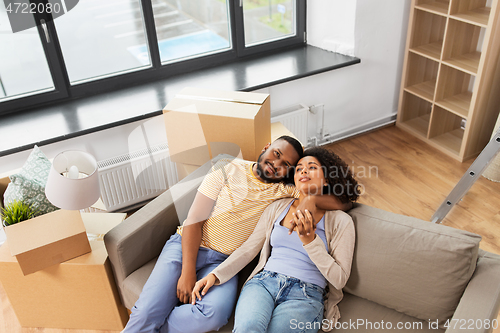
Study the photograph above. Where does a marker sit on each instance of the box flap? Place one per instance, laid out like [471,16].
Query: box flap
[101,223]
[213,108]
[222,95]
[97,257]
[42,230]
[53,253]
[4,182]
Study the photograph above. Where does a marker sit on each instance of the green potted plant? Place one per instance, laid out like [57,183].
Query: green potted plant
[17,211]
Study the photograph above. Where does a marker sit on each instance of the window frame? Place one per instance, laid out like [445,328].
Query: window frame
[300,37]
[65,91]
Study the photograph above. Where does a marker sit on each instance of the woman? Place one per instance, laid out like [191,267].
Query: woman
[301,255]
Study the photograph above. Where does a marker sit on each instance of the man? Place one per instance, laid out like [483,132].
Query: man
[226,208]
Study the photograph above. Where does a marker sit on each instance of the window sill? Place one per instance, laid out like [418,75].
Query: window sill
[57,122]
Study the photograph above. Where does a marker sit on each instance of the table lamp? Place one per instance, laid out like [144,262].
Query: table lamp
[73,182]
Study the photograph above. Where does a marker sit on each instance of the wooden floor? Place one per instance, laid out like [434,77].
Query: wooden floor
[413,179]
[399,174]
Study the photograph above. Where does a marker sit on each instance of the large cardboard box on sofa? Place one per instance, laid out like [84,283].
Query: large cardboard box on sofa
[77,294]
[46,240]
[202,123]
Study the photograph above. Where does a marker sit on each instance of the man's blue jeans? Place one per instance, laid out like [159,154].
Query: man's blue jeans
[158,308]
[275,303]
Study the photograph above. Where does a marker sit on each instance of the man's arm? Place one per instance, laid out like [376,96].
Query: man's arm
[191,240]
[323,202]
[330,202]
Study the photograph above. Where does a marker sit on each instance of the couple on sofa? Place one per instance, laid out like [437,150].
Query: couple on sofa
[306,246]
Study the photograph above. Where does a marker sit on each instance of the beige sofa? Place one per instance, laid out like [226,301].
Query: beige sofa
[408,275]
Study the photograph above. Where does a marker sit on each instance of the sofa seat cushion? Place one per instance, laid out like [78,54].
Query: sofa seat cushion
[133,284]
[415,267]
[361,315]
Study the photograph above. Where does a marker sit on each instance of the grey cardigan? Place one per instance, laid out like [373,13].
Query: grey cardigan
[334,265]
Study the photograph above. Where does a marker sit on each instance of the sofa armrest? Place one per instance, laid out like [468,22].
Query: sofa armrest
[141,237]
[480,301]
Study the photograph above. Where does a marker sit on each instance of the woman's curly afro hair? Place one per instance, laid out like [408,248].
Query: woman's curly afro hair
[340,181]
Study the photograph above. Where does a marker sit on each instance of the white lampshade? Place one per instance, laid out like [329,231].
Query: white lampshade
[73,193]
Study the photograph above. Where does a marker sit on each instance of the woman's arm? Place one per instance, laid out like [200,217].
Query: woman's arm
[336,265]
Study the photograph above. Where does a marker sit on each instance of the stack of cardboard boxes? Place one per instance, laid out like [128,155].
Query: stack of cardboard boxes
[54,277]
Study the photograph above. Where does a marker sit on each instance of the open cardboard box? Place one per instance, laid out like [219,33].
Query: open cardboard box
[203,123]
[77,294]
[46,240]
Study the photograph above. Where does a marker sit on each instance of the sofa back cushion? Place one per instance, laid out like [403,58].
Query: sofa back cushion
[415,267]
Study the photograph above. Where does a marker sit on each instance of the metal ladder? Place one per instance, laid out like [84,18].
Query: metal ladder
[469,178]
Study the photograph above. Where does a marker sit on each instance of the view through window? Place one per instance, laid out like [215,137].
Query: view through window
[23,66]
[97,38]
[113,39]
[267,20]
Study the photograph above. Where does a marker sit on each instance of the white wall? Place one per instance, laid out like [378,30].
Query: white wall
[354,98]
[331,23]
[360,96]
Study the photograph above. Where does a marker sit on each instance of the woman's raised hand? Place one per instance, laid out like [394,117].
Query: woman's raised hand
[304,225]
[206,283]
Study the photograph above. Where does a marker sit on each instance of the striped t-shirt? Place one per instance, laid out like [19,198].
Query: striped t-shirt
[240,201]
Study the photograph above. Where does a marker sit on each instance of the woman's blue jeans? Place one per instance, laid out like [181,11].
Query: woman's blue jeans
[275,303]
[158,308]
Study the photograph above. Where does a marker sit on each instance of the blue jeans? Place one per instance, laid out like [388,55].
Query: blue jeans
[158,309]
[275,303]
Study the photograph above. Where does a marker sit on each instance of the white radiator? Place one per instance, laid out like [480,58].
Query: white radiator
[136,177]
[294,118]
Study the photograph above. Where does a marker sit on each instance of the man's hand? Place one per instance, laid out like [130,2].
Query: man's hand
[185,286]
[206,283]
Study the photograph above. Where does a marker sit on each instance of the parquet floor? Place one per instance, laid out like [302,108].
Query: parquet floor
[400,174]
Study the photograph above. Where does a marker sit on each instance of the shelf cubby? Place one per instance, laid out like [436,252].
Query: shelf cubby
[429,34]
[471,11]
[416,114]
[454,91]
[463,47]
[421,76]
[446,130]
[434,6]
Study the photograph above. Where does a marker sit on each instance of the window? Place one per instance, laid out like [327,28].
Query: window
[265,22]
[92,46]
[99,39]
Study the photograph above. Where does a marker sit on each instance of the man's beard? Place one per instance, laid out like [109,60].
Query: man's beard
[262,174]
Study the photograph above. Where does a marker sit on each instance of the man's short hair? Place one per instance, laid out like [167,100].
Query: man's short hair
[295,144]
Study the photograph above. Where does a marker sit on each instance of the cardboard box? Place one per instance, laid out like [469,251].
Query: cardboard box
[77,294]
[202,123]
[277,130]
[4,182]
[47,240]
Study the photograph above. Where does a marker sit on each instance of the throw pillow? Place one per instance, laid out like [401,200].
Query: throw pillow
[29,184]
[415,267]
